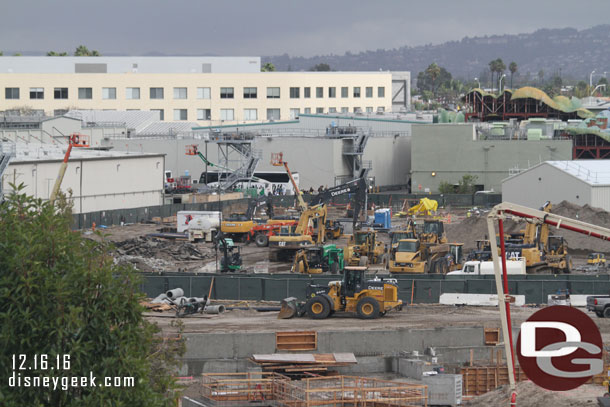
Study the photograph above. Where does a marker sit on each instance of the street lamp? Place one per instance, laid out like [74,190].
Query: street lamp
[477,79]
[500,84]
[591,78]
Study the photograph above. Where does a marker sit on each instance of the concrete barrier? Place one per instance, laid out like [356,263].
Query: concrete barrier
[487,300]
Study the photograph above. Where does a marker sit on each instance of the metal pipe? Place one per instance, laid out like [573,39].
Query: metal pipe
[506,295]
[175,293]
[214,309]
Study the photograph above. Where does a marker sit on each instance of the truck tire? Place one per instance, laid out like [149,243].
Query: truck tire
[607,312]
[317,307]
[329,235]
[368,308]
[364,261]
[599,314]
[261,240]
[334,268]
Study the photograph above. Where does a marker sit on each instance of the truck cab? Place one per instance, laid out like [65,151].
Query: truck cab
[407,257]
[477,268]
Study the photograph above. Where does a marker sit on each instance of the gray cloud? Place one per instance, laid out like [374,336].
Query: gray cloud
[272,27]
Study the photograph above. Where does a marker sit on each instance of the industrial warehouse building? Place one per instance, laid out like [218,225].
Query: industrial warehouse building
[583,182]
[96,180]
[209,91]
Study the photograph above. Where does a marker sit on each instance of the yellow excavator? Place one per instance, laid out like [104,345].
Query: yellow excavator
[365,248]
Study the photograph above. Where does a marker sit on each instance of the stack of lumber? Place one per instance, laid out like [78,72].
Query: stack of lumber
[302,364]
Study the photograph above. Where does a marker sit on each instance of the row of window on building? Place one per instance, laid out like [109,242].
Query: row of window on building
[202,93]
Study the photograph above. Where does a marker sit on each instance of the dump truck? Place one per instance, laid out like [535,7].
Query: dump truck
[413,256]
[369,299]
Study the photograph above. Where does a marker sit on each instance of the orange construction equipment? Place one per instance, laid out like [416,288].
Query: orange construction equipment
[277,161]
[75,140]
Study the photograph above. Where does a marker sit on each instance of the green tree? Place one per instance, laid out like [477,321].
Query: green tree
[512,67]
[268,67]
[61,294]
[1,53]
[466,184]
[57,54]
[500,68]
[83,51]
[321,67]
[17,54]
[493,67]
[446,188]
[541,76]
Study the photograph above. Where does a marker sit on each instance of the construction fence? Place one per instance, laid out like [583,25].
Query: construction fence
[146,214]
[412,289]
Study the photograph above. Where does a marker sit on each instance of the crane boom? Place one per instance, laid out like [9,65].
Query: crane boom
[509,210]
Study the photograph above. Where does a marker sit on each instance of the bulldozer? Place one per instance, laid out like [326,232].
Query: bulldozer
[334,229]
[364,248]
[319,259]
[369,299]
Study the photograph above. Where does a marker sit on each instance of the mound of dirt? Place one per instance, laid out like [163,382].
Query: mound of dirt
[528,394]
[475,228]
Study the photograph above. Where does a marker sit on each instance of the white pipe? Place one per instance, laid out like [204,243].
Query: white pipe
[175,293]
[214,309]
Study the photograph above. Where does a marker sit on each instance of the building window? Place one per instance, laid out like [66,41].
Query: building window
[273,93]
[307,110]
[204,114]
[294,113]
[107,93]
[60,93]
[180,93]
[356,91]
[132,93]
[380,109]
[319,92]
[11,93]
[295,93]
[161,113]
[85,93]
[332,92]
[227,114]
[250,93]
[60,112]
[344,91]
[357,110]
[203,93]
[273,114]
[250,114]
[332,110]
[369,91]
[226,93]
[306,93]
[180,114]
[156,93]
[369,109]
[380,92]
[36,93]
[345,110]
[319,110]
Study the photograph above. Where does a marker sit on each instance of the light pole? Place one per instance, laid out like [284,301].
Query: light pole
[591,78]
[477,79]
[500,83]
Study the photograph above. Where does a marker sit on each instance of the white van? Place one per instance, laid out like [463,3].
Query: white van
[477,268]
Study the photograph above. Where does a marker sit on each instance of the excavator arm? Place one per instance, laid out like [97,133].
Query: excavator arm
[358,187]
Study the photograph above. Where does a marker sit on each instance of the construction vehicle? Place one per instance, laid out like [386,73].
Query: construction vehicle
[405,232]
[202,229]
[277,160]
[319,259]
[414,256]
[369,299]
[231,254]
[432,232]
[425,207]
[596,260]
[364,248]
[543,252]
[334,229]
[310,230]
[74,140]
[239,225]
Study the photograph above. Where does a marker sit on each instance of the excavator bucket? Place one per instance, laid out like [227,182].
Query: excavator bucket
[289,308]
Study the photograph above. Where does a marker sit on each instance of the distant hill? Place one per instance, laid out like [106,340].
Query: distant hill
[575,52]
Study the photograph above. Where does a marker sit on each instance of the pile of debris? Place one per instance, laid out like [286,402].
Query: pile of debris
[303,364]
[528,394]
[175,300]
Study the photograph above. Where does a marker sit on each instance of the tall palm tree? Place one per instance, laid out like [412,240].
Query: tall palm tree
[500,68]
[512,67]
[433,71]
[493,66]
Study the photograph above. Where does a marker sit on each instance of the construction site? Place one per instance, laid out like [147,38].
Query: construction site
[338,282]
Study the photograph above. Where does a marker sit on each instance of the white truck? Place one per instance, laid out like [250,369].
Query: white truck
[477,268]
[184,218]
[203,229]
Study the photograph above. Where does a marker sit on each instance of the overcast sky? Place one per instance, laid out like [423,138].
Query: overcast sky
[273,27]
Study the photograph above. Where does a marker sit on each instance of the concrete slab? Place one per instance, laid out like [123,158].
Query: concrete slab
[485,300]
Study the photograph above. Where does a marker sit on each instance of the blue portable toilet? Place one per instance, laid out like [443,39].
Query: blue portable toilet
[383,218]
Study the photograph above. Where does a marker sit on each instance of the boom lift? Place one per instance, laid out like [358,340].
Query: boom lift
[500,213]
[277,161]
[74,140]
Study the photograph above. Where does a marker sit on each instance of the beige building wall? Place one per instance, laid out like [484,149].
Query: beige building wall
[96,183]
[379,82]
